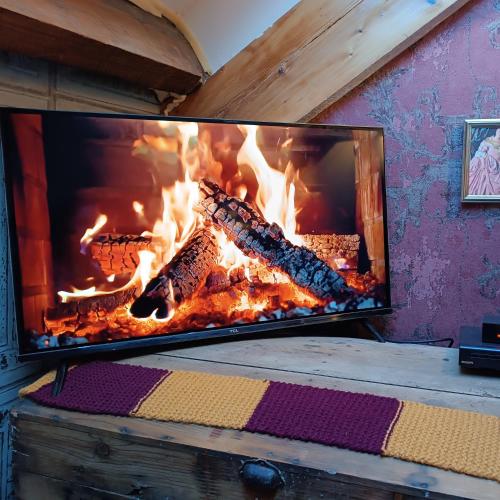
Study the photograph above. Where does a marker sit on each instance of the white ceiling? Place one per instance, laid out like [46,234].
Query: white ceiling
[219,29]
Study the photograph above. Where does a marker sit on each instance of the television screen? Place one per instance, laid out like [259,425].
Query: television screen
[131,231]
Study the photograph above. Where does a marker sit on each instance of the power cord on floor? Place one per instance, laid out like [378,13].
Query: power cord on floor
[380,338]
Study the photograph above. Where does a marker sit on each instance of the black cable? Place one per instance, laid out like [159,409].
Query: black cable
[380,338]
[429,341]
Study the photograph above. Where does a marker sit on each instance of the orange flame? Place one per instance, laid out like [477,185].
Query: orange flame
[179,219]
[144,269]
[138,208]
[231,257]
[276,191]
[140,279]
[91,231]
[88,292]
[340,263]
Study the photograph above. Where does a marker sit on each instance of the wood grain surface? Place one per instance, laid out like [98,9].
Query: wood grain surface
[99,456]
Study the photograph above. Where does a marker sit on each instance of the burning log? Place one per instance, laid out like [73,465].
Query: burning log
[67,315]
[181,278]
[118,253]
[217,280]
[258,239]
[237,275]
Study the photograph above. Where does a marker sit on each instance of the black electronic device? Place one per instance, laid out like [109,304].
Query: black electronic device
[491,329]
[132,232]
[476,354]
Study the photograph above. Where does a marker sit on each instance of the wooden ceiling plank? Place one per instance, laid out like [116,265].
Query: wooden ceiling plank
[313,56]
[113,37]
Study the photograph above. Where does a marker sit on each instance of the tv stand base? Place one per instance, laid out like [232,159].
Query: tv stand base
[62,370]
[372,330]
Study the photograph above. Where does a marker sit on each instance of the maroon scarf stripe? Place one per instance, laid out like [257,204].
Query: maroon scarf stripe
[102,387]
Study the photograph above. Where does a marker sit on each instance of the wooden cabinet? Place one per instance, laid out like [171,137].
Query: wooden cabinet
[61,454]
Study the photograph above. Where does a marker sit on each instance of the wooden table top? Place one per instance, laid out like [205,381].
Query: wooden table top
[425,374]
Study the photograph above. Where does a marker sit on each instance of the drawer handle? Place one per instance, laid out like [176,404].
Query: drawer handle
[261,475]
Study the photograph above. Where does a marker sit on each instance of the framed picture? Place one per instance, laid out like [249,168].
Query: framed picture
[481,167]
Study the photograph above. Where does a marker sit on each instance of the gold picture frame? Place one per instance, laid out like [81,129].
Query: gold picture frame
[482,149]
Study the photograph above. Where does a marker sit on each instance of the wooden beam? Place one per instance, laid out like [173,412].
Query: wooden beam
[314,55]
[111,37]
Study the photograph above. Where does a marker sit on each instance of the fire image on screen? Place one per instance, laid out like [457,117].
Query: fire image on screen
[131,227]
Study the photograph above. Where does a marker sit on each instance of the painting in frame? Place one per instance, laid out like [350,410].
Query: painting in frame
[481,163]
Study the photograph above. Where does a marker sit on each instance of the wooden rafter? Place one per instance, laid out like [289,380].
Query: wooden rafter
[314,55]
[110,37]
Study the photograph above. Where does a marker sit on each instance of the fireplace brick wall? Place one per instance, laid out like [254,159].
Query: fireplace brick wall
[445,258]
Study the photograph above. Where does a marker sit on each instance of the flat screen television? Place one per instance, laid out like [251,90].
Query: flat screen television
[135,231]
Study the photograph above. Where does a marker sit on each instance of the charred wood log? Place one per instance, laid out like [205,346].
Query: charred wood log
[237,275]
[217,280]
[181,278]
[258,239]
[67,315]
[118,253]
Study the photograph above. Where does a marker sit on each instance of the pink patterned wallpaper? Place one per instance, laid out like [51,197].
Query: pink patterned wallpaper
[445,256]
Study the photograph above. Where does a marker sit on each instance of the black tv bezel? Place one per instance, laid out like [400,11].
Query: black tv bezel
[163,340]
